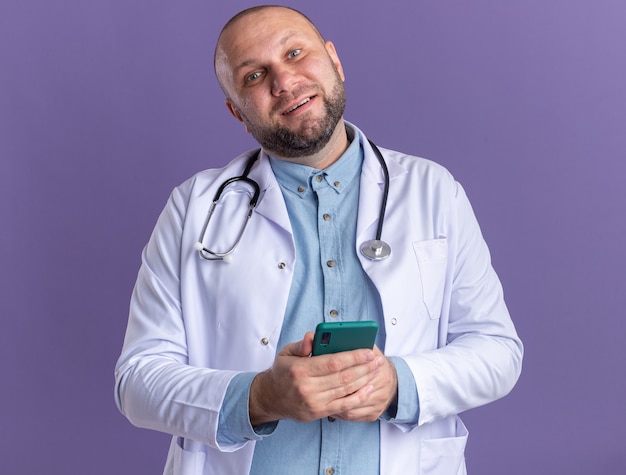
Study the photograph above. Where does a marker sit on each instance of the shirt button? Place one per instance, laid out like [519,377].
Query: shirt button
[301,189]
[334,313]
[326,217]
[282,265]
[330,263]
[319,178]
[330,471]
[264,341]
[337,184]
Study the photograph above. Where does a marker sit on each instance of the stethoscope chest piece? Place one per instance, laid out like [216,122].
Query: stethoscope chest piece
[376,250]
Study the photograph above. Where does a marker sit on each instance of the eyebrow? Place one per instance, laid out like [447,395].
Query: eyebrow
[247,62]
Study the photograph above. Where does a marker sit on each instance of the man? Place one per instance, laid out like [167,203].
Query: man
[217,352]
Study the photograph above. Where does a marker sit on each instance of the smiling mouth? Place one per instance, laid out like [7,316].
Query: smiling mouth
[297,106]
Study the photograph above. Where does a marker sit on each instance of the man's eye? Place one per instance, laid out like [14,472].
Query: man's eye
[294,53]
[253,76]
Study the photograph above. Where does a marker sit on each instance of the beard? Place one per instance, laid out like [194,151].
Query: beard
[311,137]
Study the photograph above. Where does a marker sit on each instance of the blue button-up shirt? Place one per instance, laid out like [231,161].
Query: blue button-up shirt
[329,284]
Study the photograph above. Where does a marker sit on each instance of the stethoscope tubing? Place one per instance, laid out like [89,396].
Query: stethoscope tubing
[375,249]
[383,203]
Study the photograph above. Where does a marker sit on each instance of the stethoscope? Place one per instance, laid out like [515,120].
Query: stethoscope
[374,249]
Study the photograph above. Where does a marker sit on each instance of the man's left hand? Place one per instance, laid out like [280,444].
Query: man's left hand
[384,393]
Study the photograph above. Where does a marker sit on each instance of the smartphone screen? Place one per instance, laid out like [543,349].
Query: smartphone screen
[333,337]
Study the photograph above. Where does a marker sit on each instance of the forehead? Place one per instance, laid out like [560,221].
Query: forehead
[266,28]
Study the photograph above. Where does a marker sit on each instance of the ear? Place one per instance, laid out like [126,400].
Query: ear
[233,110]
[235,113]
[332,52]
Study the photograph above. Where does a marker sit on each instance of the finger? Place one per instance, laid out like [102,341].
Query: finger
[367,411]
[343,368]
[339,384]
[307,344]
[299,348]
[357,406]
[336,362]
[378,400]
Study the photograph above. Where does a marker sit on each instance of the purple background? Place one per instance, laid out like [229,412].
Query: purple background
[105,106]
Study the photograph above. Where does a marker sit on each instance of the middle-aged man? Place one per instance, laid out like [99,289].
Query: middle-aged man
[217,350]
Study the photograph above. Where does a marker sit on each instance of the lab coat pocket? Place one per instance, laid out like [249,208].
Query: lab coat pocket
[432,259]
[187,462]
[444,455]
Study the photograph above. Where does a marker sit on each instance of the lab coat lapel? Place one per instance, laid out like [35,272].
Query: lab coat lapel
[370,196]
[271,204]
[372,190]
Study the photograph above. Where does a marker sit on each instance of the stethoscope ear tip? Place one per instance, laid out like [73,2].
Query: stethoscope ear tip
[198,246]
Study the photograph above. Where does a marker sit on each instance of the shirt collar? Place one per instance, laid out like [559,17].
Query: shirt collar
[299,178]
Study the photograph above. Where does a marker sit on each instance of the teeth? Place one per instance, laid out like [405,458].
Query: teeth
[298,105]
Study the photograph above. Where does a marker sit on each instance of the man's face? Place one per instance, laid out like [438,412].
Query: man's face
[282,81]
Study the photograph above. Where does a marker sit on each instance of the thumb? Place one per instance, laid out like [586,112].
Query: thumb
[299,348]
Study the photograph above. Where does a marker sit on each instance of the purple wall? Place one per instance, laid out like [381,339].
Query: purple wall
[107,105]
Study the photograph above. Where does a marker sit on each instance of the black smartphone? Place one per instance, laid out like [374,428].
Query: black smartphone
[333,337]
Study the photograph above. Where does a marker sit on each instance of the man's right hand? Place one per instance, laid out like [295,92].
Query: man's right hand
[304,389]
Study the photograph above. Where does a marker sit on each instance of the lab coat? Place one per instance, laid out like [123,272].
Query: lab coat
[194,324]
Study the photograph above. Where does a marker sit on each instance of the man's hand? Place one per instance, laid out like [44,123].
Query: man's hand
[385,393]
[354,385]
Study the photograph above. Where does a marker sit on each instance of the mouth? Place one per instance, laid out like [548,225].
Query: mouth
[298,105]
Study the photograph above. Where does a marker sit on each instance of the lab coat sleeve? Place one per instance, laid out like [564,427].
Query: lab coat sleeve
[156,388]
[479,356]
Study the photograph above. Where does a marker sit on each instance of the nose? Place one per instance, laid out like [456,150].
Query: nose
[283,80]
